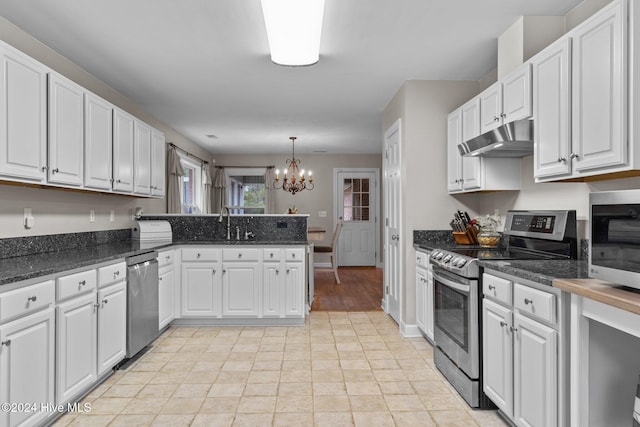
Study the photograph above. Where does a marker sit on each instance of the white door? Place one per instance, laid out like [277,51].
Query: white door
[271,289]
[294,289]
[393,259]
[98,142]
[122,151]
[357,207]
[158,152]
[142,158]
[23,119]
[535,374]
[66,131]
[165,298]
[454,160]
[199,290]
[240,289]
[76,346]
[112,326]
[491,107]
[27,366]
[421,298]
[516,94]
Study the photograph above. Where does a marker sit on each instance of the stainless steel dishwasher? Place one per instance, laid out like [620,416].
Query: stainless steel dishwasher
[142,301]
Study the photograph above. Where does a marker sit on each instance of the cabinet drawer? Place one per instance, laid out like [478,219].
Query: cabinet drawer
[294,254]
[271,254]
[201,254]
[112,273]
[538,303]
[498,288]
[75,284]
[25,300]
[240,254]
[165,258]
[422,259]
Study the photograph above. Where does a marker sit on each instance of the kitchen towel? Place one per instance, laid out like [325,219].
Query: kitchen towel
[636,407]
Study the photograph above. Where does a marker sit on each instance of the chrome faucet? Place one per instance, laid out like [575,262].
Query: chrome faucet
[228,220]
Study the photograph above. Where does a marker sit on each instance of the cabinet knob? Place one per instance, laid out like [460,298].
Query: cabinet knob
[277,271]
[224,271]
[214,271]
[44,168]
[293,255]
[503,115]
[503,324]
[168,257]
[118,181]
[96,306]
[574,156]
[160,279]
[562,160]
[271,255]
[491,287]
[7,343]
[198,255]
[56,170]
[239,255]
[104,301]
[82,282]
[528,301]
[33,298]
[288,271]
[512,329]
[496,118]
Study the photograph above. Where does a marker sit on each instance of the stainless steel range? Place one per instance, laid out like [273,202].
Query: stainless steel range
[457,298]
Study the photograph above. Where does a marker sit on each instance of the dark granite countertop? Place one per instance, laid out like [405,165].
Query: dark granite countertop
[542,272]
[26,267]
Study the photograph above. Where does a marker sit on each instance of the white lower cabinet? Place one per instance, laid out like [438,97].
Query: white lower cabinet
[201,289]
[166,288]
[424,294]
[294,292]
[241,282]
[271,289]
[521,361]
[27,366]
[112,326]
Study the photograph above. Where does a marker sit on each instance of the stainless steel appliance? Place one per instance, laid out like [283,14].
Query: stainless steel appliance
[142,301]
[614,244]
[457,297]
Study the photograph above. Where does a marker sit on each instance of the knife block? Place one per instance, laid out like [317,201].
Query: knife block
[469,237]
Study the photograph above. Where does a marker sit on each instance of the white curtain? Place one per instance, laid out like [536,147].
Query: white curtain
[175,172]
[206,189]
[219,191]
[269,191]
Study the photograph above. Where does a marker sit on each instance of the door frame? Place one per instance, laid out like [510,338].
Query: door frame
[337,192]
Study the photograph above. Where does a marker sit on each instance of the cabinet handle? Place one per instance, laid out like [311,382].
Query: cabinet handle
[160,279]
[503,115]
[7,343]
[118,181]
[288,271]
[528,301]
[239,255]
[271,255]
[33,298]
[277,271]
[168,257]
[104,301]
[198,255]
[224,271]
[214,272]
[96,306]
[44,168]
[82,283]
[491,287]
[574,156]
[293,255]
[512,329]
[503,324]
[56,170]
[111,180]
[116,274]
[562,160]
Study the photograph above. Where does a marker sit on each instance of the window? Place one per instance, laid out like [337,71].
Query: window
[191,189]
[246,190]
[356,199]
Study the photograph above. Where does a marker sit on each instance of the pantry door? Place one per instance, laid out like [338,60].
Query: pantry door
[357,206]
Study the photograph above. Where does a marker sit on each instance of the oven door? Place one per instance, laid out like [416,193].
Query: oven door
[456,326]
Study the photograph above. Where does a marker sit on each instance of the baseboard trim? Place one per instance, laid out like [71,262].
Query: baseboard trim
[409,331]
[322,265]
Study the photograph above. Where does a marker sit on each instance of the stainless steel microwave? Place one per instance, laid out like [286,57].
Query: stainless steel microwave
[614,244]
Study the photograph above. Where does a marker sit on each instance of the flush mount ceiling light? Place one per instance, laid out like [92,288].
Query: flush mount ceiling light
[294,179]
[293,30]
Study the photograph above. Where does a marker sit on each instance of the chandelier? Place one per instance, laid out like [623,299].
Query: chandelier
[293,180]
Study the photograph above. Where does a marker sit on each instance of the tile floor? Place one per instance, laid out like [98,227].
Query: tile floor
[340,369]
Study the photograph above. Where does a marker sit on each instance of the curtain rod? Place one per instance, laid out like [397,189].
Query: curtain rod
[242,167]
[187,153]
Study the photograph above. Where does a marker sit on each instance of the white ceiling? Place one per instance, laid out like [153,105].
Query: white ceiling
[203,67]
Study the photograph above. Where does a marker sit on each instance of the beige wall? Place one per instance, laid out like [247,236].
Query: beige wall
[583,11]
[321,197]
[58,211]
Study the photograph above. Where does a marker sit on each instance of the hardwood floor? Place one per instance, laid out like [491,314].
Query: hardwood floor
[360,290]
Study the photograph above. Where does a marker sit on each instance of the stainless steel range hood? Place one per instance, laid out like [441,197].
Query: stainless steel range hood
[514,139]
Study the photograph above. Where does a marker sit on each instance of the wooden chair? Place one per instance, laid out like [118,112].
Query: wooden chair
[332,249]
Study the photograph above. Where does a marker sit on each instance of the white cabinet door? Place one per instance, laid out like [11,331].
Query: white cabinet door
[429,312]
[490,107]
[272,289]
[552,107]
[599,137]
[454,160]
[471,166]
[497,360]
[421,299]
[200,290]
[76,342]
[535,374]
[516,94]
[122,151]
[166,285]
[241,289]
[27,365]
[142,158]
[112,326]
[66,131]
[158,152]
[98,142]
[23,116]
[294,289]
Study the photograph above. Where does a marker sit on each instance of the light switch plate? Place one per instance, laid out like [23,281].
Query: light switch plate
[322,214]
[92,215]
[112,216]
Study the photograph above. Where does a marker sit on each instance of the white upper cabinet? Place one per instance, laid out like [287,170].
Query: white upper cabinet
[66,131]
[98,149]
[454,160]
[506,100]
[23,116]
[142,158]
[599,137]
[471,166]
[552,108]
[158,152]
[122,151]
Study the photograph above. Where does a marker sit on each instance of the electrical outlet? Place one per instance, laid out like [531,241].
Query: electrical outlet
[112,216]
[322,214]
[28,218]
[92,215]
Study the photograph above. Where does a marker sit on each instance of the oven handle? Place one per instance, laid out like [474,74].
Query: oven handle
[454,285]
